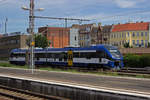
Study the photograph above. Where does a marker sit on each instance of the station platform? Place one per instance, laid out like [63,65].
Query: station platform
[136,87]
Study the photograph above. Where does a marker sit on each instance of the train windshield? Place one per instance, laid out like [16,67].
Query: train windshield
[114,51]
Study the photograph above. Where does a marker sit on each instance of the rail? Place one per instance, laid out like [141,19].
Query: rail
[18,94]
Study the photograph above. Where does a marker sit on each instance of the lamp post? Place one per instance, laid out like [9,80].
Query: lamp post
[31,30]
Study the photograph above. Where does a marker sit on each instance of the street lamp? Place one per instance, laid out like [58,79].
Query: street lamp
[25,8]
[31,29]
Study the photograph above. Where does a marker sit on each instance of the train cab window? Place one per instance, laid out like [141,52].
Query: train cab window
[12,55]
[40,55]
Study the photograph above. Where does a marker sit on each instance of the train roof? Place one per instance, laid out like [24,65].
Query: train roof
[96,47]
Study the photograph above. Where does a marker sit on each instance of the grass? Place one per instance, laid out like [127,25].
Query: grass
[2,64]
[108,73]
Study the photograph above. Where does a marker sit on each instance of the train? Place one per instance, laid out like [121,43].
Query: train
[98,56]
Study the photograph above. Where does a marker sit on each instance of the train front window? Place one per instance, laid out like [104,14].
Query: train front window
[114,51]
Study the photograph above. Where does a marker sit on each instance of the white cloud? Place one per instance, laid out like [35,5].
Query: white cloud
[126,3]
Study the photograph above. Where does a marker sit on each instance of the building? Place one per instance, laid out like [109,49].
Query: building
[94,35]
[88,34]
[9,42]
[136,34]
[57,36]
[104,34]
[74,37]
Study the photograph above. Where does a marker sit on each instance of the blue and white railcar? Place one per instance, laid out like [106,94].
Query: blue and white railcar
[94,56]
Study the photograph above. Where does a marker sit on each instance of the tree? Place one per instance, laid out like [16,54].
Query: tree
[28,40]
[127,45]
[41,41]
[148,45]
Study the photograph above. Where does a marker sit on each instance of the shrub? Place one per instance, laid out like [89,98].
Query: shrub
[131,60]
[145,60]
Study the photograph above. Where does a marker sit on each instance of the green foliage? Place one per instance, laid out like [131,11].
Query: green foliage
[28,41]
[41,41]
[3,64]
[126,45]
[141,61]
[148,45]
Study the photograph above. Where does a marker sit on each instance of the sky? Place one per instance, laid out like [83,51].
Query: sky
[106,12]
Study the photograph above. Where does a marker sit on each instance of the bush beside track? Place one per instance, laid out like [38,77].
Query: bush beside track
[137,61]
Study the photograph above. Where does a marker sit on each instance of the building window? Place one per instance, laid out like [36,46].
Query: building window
[17,41]
[75,38]
[133,34]
[142,43]
[137,34]
[122,34]
[133,42]
[142,34]
[146,42]
[145,33]
[137,42]
[128,34]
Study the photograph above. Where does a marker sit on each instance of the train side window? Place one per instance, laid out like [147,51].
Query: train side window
[83,54]
[89,55]
[101,54]
[60,59]
[40,55]
[65,57]
[38,58]
[76,54]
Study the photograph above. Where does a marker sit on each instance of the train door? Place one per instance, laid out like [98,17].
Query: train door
[70,58]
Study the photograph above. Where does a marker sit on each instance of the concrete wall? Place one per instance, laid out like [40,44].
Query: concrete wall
[73,93]
[135,50]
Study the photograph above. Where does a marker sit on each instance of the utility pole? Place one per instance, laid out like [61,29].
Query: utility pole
[31,31]
[6,20]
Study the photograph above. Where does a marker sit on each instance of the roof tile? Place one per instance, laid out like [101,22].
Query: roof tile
[131,27]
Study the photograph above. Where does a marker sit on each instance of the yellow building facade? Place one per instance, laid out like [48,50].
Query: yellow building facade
[136,34]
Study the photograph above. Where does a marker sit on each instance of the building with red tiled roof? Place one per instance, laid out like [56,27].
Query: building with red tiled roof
[136,34]
[131,27]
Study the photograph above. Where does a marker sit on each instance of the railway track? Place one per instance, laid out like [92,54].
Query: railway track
[7,93]
[123,72]
[135,70]
[96,70]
